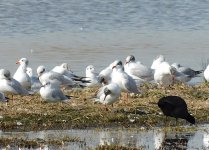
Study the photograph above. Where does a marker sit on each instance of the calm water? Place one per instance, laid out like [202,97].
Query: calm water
[83,32]
[149,140]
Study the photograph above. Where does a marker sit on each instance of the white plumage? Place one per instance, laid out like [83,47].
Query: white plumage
[52,93]
[21,76]
[109,94]
[10,85]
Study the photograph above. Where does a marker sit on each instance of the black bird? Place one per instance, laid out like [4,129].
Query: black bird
[175,106]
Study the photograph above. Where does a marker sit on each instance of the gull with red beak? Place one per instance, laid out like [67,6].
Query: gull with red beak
[21,76]
[137,70]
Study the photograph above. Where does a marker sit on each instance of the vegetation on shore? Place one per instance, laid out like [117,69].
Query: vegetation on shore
[32,113]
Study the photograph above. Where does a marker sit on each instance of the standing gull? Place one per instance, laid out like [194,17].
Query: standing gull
[126,82]
[21,76]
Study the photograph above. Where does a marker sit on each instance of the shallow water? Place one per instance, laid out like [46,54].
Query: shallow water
[149,140]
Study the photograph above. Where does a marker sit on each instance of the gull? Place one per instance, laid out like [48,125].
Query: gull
[3,98]
[10,85]
[21,76]
[164,74]
[156,62]
[180,77]
[65,70]
[109,94]
[92,76]
[125,82]
[62,68]
[54,77]
[35,83]
[52,93]
[67,73]
[105,75]
[186,70]
[137,69]
[206,73]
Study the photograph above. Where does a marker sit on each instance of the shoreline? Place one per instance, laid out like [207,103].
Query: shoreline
[31,113]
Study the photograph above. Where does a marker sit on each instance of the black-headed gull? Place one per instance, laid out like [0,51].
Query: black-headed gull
[21,76]
[137,69]
[54,77]
[126,82]
[109,94]
[105,75]
[10,85]
[92,76]
[52,93]
[164,74]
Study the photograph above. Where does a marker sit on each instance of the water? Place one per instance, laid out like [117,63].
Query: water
[83,32]
[149,140]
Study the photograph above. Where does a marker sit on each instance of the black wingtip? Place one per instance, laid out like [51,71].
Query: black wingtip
[198,72]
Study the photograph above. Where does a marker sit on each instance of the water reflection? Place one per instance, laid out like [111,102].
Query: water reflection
[202,137]
[149,140]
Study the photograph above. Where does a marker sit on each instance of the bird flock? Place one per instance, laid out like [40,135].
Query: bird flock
[112,80]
